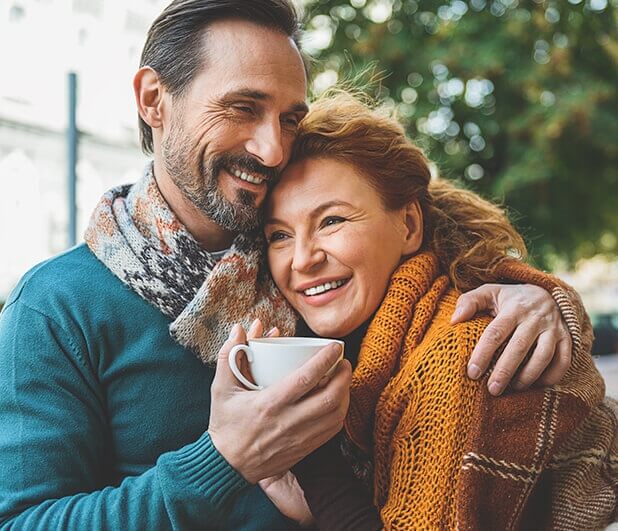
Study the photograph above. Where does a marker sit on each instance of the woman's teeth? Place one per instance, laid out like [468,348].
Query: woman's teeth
[327,286]
[246,177]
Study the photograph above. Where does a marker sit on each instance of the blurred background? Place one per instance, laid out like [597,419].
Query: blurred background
[516,99]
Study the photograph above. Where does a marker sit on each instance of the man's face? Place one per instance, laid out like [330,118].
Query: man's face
[228,135]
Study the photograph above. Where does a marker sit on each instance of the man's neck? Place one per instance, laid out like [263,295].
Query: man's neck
[207,233]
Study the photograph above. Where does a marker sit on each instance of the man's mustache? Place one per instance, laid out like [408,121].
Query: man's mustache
[246,163]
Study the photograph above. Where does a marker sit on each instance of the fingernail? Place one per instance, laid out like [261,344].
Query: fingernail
[234,331]
[271,332]
[456,314]
[495,388]
[335,348]
[323,381]
[474,371]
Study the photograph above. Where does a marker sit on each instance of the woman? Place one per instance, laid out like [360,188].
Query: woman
[362,244]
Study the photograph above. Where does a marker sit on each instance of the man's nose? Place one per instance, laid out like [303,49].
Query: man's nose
[266,144]
[307,256]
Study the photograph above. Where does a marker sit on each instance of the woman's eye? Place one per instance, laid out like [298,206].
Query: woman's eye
[276,237]
[332,220]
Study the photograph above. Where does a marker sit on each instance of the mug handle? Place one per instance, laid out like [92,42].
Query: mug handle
[232,361]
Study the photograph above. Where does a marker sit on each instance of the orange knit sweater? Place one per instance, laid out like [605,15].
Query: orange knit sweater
[446,454]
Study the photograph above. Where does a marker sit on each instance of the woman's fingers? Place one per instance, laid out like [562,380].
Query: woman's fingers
[255,330]
[273,332]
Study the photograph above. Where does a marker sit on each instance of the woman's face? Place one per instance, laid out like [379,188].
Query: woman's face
[332,246]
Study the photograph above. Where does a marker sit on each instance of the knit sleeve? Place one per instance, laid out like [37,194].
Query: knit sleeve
[337,500]
[56,463]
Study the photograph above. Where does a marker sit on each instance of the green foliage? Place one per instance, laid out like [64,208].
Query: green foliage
[517,98]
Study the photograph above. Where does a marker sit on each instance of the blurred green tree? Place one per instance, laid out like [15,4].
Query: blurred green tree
[516,98]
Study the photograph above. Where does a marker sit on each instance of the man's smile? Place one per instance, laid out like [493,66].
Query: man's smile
[248,177]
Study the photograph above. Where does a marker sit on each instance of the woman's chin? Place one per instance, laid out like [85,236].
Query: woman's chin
[333,330]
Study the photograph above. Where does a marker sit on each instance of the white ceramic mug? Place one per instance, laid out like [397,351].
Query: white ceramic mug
[271,359]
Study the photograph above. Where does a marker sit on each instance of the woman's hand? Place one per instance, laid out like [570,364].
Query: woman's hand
[530,317]
[287,496]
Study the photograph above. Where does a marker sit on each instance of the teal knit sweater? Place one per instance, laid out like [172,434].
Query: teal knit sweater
[103,416]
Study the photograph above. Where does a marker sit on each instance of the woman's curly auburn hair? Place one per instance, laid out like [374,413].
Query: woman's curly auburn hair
[469,235]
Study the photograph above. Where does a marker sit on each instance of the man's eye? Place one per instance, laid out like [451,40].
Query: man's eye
[244,109]
[332,220]
[291,120]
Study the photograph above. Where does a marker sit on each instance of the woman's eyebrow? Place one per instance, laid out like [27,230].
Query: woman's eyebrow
[273,221]
[314,213]
[329,204]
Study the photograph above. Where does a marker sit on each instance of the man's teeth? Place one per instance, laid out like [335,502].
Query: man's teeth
[327,286]
[246,177]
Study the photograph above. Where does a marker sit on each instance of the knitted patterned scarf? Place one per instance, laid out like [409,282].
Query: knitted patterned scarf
[137,236]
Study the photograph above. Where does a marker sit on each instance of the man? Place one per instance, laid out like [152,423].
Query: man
[107,420]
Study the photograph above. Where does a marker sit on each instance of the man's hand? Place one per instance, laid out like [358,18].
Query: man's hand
[530,317]
[286,494]
[264,433]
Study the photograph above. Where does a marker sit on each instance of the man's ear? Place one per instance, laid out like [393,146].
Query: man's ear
[148,96]
[414,225]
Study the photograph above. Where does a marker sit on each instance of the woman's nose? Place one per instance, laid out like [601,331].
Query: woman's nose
[306,257]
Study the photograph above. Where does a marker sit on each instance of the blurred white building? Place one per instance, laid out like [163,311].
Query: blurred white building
[40,42]
[596,280]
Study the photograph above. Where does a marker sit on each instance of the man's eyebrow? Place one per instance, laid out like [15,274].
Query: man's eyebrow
[258,95]
[314,213]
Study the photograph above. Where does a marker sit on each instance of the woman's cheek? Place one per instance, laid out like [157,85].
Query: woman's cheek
[278,269]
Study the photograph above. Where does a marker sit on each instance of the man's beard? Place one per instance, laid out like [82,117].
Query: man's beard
[241,215]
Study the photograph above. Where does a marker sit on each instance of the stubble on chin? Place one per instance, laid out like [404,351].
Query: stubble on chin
[201,186]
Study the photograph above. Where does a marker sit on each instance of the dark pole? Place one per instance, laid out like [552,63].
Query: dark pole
[72,138]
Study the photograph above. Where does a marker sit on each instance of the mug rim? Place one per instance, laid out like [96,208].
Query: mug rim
[297,341]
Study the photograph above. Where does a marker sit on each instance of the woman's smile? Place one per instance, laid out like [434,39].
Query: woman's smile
[321,292]
[332,244]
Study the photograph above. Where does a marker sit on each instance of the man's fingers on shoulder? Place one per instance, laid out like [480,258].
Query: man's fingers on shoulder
[500,377]
[559,365]
[565,336]
[469,304]
[513,355]
[539,360]
[464,309]
[496,333]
